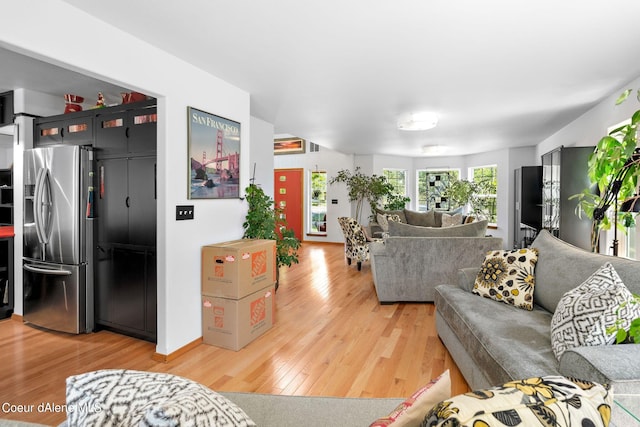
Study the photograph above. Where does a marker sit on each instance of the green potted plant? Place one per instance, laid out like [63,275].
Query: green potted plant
[462,192]
[609,157]
[363,188]
[630,335]
[264,221]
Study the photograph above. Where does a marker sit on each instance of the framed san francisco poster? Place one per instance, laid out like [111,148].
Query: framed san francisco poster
[214,156]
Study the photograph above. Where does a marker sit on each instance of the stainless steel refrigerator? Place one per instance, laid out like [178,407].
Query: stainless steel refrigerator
[58,238]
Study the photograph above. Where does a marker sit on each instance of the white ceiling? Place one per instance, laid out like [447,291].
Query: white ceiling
[340,73]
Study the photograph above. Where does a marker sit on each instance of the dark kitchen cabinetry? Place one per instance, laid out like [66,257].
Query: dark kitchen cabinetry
[6,197]
[565,173]
[126,292]
[75,129]
[125,132]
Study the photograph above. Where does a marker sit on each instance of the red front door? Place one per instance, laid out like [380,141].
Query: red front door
[289,197]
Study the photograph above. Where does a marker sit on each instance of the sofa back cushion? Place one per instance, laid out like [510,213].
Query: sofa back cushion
[423,219]
[475,229]
[562,267]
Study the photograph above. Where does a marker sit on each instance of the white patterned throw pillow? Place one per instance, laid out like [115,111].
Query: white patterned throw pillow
[584,314]
[121,397]
[451,220]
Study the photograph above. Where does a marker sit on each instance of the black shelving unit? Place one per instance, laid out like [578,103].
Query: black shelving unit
[6,243]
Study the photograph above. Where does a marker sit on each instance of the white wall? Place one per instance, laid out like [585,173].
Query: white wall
[592,125]
[261,154]
[331,162]
[114,56]
[589,128]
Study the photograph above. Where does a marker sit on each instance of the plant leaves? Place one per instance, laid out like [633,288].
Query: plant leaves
[623,97]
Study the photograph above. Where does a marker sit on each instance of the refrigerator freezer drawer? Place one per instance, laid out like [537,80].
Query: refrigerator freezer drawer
[54,296]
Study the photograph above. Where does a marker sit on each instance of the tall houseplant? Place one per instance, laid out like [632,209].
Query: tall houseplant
[462,192]
[363,188]
[611,155]
[263,221]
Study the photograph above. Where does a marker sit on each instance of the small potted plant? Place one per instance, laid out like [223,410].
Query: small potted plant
[264,221]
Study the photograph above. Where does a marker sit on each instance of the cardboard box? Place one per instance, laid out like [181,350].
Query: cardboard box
[238,268]
[233,324]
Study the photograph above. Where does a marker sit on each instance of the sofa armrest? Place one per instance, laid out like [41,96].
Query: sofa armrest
[608,364]
[467,278]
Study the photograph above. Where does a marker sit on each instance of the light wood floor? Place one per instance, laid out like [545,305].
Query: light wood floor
[331,337]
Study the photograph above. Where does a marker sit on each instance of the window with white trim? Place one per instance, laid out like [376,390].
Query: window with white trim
[486,177]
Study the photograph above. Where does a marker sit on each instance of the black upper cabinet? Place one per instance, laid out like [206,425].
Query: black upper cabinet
[76,129]
[6,108]
[126,132]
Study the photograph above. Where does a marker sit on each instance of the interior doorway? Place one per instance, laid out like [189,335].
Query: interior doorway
[289,196]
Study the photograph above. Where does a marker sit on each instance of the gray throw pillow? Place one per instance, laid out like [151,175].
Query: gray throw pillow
[423,219]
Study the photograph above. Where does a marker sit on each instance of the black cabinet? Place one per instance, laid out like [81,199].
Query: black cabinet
[126,132]
[528,205]
[6,197]
[126,294]
[127,201]
[6,108]
[6,277]
[75,129]
[565,173]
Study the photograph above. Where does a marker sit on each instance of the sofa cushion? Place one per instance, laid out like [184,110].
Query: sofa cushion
[475,229]
[399,212]
[504,341]
[542,401]
[451,220]
[383,220]
[508,276]
[562,267]
[127,397]
[412,411]
[422,219]
[584,314]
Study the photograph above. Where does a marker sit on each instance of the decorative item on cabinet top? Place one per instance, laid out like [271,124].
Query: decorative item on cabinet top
[78,128]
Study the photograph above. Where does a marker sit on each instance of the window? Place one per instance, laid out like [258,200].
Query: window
[486,199]
[431,184]
[397,178]
[317,223]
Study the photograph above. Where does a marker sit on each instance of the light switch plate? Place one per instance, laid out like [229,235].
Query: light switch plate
[184,212]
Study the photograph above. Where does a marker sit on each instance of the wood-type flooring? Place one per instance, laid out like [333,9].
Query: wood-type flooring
[331,338]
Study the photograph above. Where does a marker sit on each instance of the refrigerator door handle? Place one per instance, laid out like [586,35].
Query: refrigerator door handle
[42,205]
[47,271]
[37,201]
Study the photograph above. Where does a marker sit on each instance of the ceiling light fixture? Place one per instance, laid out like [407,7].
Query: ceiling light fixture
[433,150]
[418,121]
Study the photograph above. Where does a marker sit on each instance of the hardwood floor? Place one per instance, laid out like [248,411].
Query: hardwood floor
[331,337]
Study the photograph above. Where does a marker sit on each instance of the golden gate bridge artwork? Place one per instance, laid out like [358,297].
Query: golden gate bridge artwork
[214,174]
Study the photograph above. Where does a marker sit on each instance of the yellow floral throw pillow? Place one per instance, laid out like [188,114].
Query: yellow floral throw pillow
[508,276]
[553,401]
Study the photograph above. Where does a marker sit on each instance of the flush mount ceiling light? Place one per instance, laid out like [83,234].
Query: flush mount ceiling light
[418,121]
[433,150]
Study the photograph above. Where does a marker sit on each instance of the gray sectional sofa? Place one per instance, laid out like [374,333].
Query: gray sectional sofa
[492,342]
[409,263]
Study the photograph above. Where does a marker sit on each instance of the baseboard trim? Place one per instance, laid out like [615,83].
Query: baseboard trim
[17,317]
[165,358]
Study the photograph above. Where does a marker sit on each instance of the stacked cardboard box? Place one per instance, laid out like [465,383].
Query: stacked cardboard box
[238,291]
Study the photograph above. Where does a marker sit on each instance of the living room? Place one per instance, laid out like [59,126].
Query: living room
[119,60]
